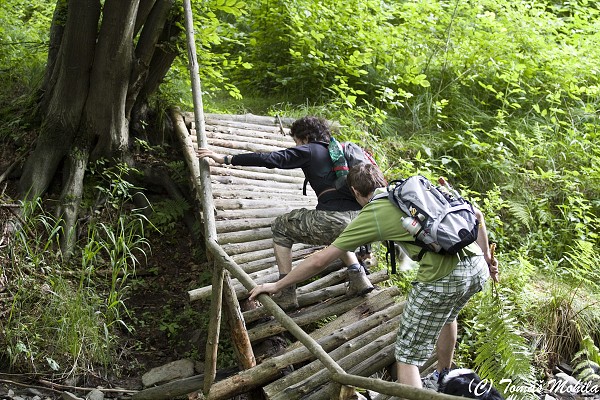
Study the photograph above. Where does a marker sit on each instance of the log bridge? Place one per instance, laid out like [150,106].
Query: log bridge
[333,343]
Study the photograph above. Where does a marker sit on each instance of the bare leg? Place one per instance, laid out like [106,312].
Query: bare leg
[445,345]
[409,375]
[286,299]
[348,258]
[283,257]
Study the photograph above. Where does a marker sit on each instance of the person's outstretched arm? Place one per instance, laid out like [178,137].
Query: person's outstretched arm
[306,269]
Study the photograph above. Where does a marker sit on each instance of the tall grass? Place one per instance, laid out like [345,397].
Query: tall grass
[65,317]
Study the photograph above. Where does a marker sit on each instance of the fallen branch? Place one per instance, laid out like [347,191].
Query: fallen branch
[60,387]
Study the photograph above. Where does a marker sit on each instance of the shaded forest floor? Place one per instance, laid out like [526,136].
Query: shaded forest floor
[163,325]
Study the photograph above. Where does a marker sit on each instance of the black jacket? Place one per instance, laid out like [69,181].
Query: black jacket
[317,166]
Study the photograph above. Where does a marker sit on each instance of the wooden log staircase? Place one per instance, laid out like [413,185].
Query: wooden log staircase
[332,342]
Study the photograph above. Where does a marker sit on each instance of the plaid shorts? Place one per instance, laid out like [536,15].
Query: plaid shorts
[306,226]
[431,305]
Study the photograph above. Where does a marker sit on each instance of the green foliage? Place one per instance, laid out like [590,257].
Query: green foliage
[24,29]
[167,213]
[65,316]
[499,97]
[500,350]
[585,359]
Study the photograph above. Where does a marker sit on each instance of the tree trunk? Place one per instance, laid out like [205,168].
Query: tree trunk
[104,114]
[64,97]
[93,78]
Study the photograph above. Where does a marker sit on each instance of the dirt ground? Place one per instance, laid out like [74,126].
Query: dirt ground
[165,325]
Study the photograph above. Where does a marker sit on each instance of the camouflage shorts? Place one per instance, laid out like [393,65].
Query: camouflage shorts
[316,227]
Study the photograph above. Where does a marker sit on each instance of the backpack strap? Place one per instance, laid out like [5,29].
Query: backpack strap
[390,255]
[391,251]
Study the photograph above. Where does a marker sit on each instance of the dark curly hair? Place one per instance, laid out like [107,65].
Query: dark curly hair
[314,129]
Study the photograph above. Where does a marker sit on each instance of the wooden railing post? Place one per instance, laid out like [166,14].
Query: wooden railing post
[209,222]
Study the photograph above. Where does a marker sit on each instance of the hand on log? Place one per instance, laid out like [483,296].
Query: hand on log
[266,288]
[203,152]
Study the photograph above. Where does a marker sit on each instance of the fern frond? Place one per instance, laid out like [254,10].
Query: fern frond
[502,353]
[583,262]
[521,212]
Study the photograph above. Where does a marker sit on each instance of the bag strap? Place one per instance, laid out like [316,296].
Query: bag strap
[391,253]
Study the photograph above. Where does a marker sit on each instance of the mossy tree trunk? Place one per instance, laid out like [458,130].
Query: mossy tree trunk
[102,65]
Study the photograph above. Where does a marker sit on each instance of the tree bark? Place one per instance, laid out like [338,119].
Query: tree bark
[89,87]
[104,115]
[57,29]
[64,97]
[144,50]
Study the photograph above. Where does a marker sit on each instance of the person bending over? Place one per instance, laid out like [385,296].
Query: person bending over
[320,226]
[444,283]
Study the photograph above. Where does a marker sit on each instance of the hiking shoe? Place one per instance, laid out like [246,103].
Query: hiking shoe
[287,299]
[358,283]
[430,381]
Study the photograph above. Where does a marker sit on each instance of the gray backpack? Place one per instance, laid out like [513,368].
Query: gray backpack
[439,219]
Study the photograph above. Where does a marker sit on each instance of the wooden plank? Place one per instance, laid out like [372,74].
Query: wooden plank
[247,247]
[314,298]
[383,299]
[254,213]
[241,118]
[305,379]
[356,364]
[233,136]
[232,179]
[335,306]
[245,235]
[258,174]
[225,192]
[232,225]
[235,204]
[271,368]
[268,274]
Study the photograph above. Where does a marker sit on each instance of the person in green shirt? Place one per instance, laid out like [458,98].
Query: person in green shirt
[444,283]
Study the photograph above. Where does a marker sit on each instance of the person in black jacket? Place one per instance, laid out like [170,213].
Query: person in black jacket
[335,207]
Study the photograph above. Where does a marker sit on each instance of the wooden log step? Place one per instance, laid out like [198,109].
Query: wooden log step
[216,136]
[313,297]
[269,273]
[307,316]
[356,364]
[261,254]
[384,301]
[379,323]
[231,136]
[250,129]
[249,147]
[257,265]
[248,121]
[278,195]
[253,213]
[263,175]
[270,368]
[246,182]
[380,361]
[248,235]
[225,192]
[296,172]
[369,344]
[234,119]
[232,225]
[234,204]
[247,247]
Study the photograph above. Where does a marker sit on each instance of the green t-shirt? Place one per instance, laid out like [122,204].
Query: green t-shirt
[380,220]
